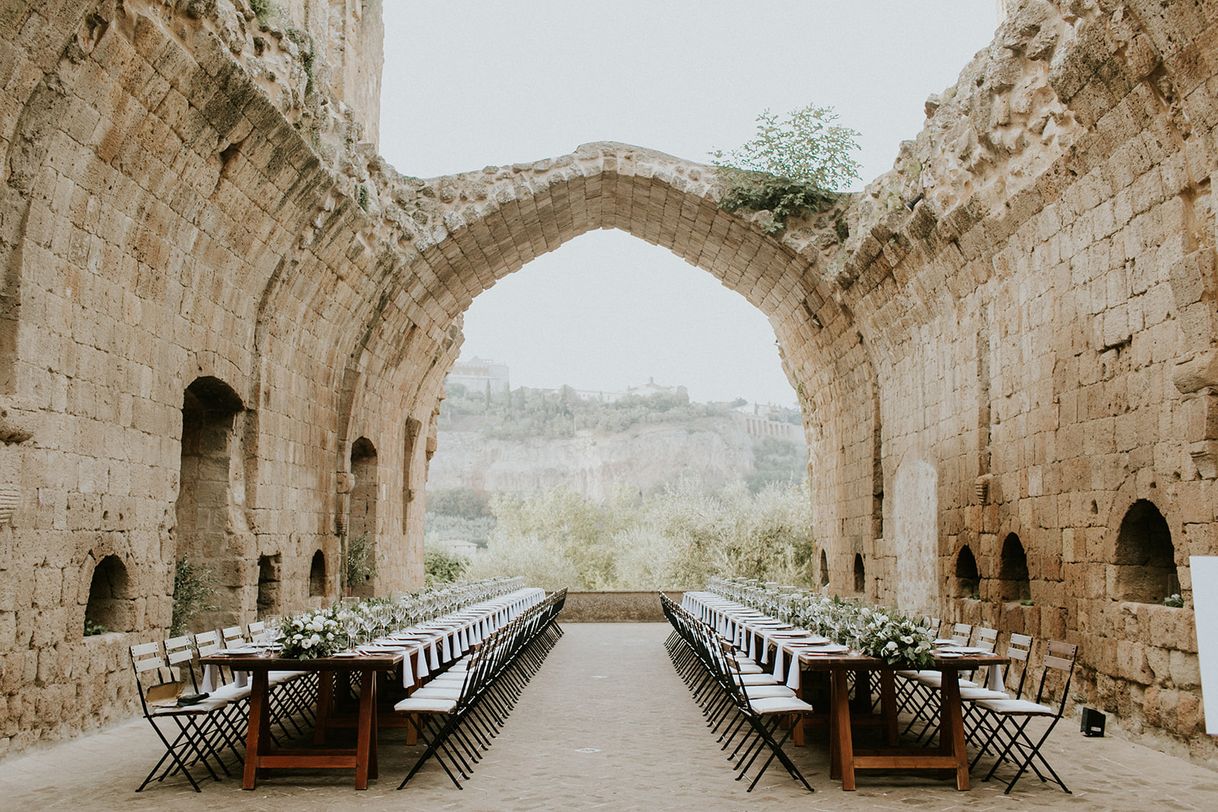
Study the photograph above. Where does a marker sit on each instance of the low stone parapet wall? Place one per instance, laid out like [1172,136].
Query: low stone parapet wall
[615,607]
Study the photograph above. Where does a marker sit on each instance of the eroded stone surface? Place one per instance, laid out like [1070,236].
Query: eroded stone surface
[1026,304]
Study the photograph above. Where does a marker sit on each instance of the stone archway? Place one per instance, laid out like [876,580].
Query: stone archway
[479,227]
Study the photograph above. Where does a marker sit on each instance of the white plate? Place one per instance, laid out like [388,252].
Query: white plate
[833,648]
[949,655]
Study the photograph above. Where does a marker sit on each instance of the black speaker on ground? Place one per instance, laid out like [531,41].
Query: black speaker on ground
[1092,722]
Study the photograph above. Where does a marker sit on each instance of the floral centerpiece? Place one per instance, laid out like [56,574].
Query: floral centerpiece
[312,634]
[898,641]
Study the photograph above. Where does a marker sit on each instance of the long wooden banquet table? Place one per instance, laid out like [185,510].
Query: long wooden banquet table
[258,752]
[765,640]
[411,655]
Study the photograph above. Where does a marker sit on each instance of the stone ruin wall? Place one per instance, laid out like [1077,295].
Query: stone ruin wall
[1026,300]
[1036,280]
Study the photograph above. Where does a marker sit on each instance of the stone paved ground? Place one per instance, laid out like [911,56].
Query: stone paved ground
[605,724]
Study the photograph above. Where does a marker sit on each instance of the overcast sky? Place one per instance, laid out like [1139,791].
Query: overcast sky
[470,84]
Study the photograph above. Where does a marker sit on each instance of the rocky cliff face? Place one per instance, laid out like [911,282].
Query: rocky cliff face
[712,451]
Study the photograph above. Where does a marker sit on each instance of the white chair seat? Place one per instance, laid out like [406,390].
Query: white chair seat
[933,679]
[423,705]
[280,677]
[206,706]
[978,694]
[780,704]
[1016,707]
[757,679]
[451,691]
[229,693]
[767,691]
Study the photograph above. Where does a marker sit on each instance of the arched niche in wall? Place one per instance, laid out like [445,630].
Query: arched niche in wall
[966,582]
[860,574]
[317,575]
[1145,556]
[205,492]
[1013,580]
[824,568]
[268,584]
[361,524]
[109,606]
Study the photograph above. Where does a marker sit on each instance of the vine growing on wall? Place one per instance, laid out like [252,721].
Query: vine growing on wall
[795,165]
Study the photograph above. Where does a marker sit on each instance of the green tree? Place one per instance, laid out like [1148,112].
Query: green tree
[795,164]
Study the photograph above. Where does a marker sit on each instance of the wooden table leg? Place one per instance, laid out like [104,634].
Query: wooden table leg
[367,703]
[844,737]
[257,727]
[888,706]
[798,734]
[325,702]
[951,728]
[373,766]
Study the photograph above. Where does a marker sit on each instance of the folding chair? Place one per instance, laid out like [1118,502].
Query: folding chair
[1011,717]
[160,686]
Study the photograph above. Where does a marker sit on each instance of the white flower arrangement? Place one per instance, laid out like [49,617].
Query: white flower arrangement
[312,635]
[898,640]
[322,632]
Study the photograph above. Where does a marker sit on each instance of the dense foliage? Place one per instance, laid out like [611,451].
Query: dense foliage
[526,413]
[441,566]
[674,539]
[776,462]
[360,564]
[794,165]
[194,589]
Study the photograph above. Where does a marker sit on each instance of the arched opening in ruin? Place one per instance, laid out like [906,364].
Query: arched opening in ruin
[110,607]
[967,581]
[361,547]
[587,385]
[317,575]
[268,584]
[860,574]
[205,489]
[1013,580]
[1145,556]
[824,568]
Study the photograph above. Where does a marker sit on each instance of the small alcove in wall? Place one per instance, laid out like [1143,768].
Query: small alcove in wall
[1013,580]
[967,580]
[109,607]
[317,575]
[1145,556]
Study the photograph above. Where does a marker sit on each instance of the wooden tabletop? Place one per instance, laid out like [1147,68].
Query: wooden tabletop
[264,662]
[854,660]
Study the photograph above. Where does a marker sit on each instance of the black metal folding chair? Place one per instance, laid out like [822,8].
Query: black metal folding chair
[160,687]
[1009,718]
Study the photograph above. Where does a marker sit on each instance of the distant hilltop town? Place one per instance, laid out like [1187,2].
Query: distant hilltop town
[492,378]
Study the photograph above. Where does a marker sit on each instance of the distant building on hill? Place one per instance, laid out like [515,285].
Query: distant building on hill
[651,388]
[759,421]
[479,375]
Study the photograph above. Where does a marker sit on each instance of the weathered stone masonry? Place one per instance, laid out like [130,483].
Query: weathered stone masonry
[226,322]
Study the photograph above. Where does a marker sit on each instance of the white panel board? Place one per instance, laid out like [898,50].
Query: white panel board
[1204,572]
